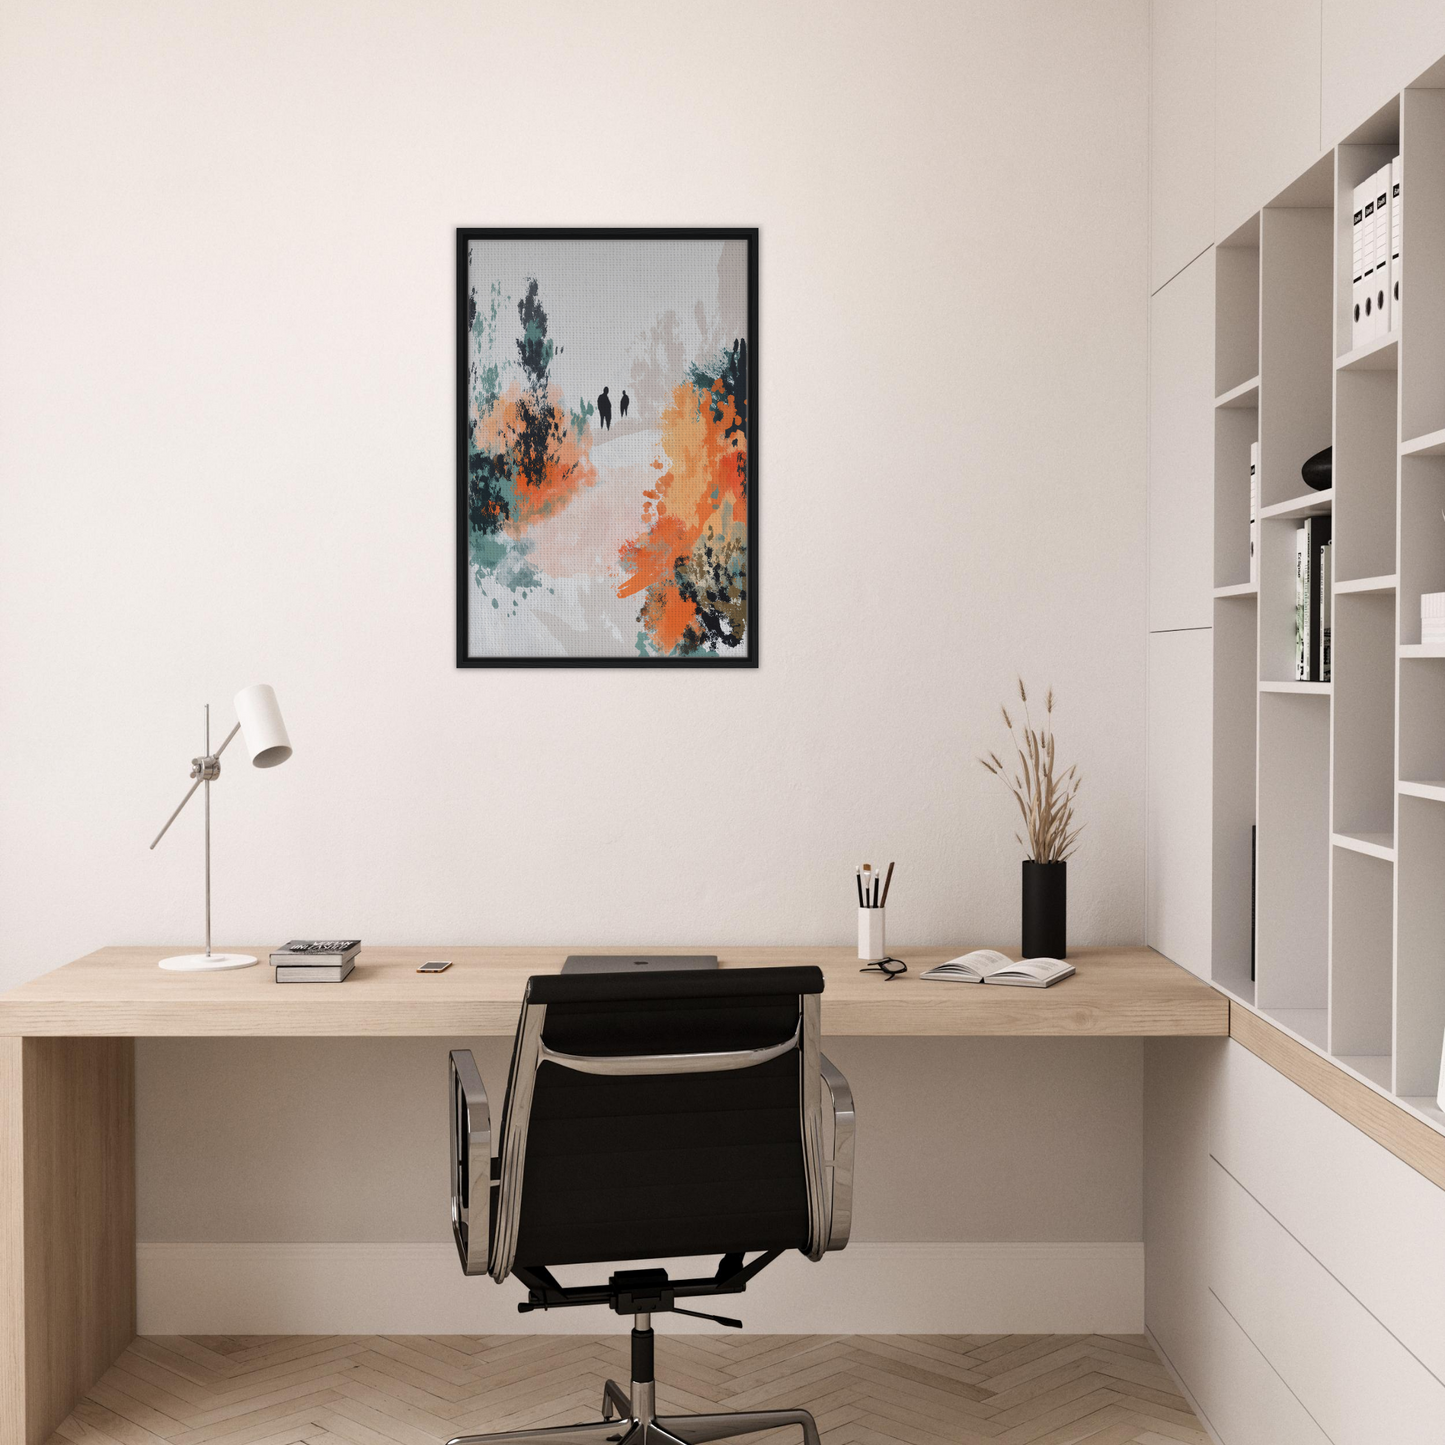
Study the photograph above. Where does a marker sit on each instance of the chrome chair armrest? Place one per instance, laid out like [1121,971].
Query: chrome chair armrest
[471,1128]
[840,1166]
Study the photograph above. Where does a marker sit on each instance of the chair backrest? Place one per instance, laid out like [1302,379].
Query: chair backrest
[662,1115]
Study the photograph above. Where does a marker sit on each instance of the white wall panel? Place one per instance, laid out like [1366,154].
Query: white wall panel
[1369,52]
[1180,1086]
[1371,1220]
[1266,102]
[1177,882]
[1245,1401]
[1181,450]
[1181,134]
[1354,1377]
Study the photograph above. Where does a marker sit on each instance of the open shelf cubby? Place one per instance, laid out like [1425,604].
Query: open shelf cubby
[1329,795]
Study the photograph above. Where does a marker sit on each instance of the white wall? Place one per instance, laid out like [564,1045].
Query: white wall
[226,350]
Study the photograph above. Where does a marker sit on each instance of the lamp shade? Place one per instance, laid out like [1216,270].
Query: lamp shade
[262,730]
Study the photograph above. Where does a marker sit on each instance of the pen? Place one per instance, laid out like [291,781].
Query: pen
[858,879]
[887,884]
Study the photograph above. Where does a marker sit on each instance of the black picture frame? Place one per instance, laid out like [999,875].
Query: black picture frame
[468,234]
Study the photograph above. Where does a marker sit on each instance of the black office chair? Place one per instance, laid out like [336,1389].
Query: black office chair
[650,1117]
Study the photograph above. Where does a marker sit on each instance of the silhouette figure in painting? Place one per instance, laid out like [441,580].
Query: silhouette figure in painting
[622,405]
[604,409]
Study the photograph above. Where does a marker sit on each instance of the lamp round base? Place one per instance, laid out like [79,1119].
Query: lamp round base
[206,962]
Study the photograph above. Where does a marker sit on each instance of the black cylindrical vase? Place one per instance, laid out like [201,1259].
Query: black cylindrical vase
[1046,909]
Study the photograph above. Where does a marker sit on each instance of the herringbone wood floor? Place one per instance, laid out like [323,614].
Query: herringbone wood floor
[418,1390]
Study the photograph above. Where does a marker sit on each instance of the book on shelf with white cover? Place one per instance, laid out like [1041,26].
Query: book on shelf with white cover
[1301,606]
[1382,252]
[988,965]
[1432,617]
[1357,267]
[1397,226]
[1254,514]
[1309,664]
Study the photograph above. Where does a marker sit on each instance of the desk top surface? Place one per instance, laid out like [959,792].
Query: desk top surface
[1122,992]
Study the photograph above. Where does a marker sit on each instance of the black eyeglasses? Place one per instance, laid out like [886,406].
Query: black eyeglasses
[890,968]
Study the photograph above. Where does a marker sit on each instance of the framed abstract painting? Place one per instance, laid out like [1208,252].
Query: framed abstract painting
[607,459]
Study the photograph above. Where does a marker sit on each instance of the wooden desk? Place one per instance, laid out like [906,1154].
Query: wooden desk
[67,1091]
[119,992]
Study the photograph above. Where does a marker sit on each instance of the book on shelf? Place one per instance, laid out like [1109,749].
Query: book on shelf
[1301,606]
[1310,610]
[988,965]
[1432,617]
[1254,513]
[314,972]
[1326,606]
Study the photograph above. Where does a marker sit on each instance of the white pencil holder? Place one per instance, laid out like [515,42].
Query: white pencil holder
[871,946]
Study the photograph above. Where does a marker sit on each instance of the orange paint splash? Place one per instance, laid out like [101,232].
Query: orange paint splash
[707,472]
[567,468]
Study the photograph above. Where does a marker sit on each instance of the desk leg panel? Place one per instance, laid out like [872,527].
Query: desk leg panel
[67,1224]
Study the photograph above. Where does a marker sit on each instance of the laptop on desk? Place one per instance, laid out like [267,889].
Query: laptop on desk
[637,962]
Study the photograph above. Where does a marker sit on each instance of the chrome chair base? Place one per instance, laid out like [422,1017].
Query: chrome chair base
[642,1427]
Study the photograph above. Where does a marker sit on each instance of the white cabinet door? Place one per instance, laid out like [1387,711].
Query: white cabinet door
[1181,134]
[1178,900]
[1358,1382]
[1246,1401]
[1366,1216]
[1181,450]
[1266,102]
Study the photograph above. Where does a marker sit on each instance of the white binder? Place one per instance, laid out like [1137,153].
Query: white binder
[1382,251]
[1357,268]
[1396,225]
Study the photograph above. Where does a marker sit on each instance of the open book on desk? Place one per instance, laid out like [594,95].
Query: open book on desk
[987,965]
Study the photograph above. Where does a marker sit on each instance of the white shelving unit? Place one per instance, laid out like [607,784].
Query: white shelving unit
[1344,781]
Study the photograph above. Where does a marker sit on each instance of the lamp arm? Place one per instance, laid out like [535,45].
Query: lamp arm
[227,743]
[177,813]
[202,774]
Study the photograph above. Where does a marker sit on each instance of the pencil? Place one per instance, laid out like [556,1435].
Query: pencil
[887,884]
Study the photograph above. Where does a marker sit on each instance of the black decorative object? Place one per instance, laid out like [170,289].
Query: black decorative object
[1046,909]
[1319,471]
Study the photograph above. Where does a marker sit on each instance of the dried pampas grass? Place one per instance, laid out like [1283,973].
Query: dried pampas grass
[1046,801]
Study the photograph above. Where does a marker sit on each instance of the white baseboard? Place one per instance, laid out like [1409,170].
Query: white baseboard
[306,1289]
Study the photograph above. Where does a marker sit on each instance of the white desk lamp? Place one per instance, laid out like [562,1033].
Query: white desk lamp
[258,720]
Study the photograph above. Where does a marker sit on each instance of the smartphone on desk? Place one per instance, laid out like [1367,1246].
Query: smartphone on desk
[435,965]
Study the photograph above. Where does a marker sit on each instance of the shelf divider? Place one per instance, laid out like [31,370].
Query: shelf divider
[1312,504]
[1244,397]
[1432,444]
[1379,355]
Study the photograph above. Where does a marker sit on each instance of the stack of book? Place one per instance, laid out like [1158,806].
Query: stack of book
[1312,601]
[315,960]
[1254,513]
[1432,618]
[1375,272]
